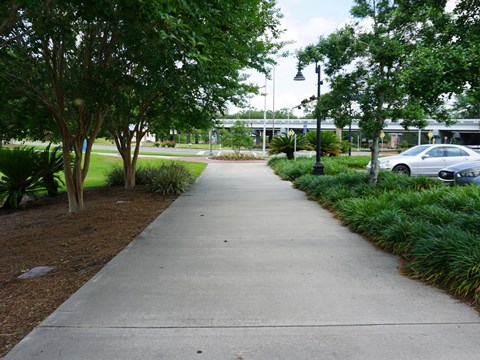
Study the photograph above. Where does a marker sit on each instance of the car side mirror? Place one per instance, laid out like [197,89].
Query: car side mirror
[426,156]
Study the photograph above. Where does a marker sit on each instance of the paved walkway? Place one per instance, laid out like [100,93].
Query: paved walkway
[243,266]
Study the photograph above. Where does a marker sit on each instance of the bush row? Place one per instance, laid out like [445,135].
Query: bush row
[435,229]
[171,178]
[291,170]
[231,156]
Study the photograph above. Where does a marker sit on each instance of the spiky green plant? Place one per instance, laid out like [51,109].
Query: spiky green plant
[286,144]
[330,143]
[170,178]
[20,175]
[449,258]
[50,165]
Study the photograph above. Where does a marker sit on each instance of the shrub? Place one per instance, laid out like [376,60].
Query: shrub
[286,144]
[169,143]
[116,176]
[433,227]
[290,170]
[169,179]
[50,164]
[234,156]
[163,179]
[20,175]
[449,258]
[331,144]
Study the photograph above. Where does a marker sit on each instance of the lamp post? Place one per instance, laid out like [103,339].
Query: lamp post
[273,105]
[264,117]
[318,166]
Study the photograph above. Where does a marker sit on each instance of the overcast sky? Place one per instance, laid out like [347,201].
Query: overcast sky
[304,21]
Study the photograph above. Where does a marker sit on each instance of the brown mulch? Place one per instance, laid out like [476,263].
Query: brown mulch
[77,245]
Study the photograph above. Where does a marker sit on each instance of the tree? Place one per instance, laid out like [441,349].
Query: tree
[238,137]
[466,106]
[447,59]
[58,55]
[372,61]
[81,60]
[155,92]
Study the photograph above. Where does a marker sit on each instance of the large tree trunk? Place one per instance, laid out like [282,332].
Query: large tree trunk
[76,171]
[129,167]
[73,178]
[123,135]
[123,141]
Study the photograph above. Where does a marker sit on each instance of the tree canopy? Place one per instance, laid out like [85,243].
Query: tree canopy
[117,64]
[398,59]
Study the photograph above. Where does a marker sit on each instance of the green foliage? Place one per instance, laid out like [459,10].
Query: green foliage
[286,144]
[116,72]
[239,136]
[169,144]
[290,170]
[432,227]
[236,157]
[170,178]
[165,178]
[331,144]
[25,171]
[116,177]
[368,66]
[448,257]
[51,164]
[101,166]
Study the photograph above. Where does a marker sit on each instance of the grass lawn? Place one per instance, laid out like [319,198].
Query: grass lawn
[100,165]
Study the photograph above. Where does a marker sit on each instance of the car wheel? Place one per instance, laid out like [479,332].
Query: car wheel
[401,169]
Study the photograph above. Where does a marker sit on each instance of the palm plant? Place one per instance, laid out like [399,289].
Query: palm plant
[51,163]
[19,176]
[286,144]
[331,144]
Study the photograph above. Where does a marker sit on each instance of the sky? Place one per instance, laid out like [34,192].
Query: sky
[304,21]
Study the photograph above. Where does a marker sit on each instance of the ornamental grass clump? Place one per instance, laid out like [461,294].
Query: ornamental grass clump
[115,177]
[434,228]
[290,170]
[164,179]
[170,179]
[449,258]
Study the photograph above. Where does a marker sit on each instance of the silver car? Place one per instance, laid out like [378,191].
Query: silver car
[427,159]
[467,173]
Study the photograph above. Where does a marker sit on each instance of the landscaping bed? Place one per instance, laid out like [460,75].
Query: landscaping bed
[76,245]
[433,228]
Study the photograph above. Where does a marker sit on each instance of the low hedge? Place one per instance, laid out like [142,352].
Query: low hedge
[167,178]
[434,228]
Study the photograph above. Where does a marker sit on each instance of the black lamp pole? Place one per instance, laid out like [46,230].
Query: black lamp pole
[318,166]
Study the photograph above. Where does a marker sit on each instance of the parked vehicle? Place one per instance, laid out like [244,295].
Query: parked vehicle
[466,173]
[427,160]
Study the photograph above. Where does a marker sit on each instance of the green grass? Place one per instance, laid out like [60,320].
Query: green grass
[100,165]
[150,153]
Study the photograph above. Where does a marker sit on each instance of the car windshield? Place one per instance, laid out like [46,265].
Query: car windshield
[415,150]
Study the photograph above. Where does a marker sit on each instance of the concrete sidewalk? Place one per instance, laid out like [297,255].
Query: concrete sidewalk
[243,266]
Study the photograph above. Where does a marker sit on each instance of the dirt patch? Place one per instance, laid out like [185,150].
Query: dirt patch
[76,245]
